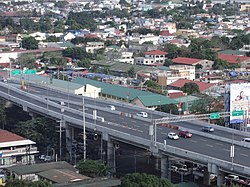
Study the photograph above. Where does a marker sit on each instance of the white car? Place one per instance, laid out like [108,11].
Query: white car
[111,107]
[173,135]
[142,114]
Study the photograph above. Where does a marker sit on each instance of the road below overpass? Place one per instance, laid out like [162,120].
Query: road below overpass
[138,126]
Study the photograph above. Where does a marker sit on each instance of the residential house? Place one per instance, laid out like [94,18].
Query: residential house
[140,39]
[91,47]
[174,73]
[66,86]
[53,172]
[243,61]
[16,150]
[69,36]
[165,36]
[206,64]
[126,57]
[2,38]
[203,87]
[39,36]
[155,57]
[215,79]
[16,38]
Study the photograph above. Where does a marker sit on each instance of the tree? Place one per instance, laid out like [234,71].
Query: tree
[152,84]
[23,183]
[190,88]
[30,43]
[92,168]
[27,60]
[145,180]
[131,72]
[170,108]
[168,62]
[199,107]
[198,66]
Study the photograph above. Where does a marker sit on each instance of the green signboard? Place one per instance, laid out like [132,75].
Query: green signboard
[30,71]
[214,115]
[16,72]
[238,113]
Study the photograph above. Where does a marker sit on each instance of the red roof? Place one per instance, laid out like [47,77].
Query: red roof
[181,82]
[165,33]
[155,52]
[234,59]
[6,136]
[184,60]
[175,95]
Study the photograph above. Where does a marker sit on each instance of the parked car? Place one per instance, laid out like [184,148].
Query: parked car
[182,170]
[111,107]
[232,177]
[142,114]
[45,158]
[185,134]
[173,135]
[208,129]
[174,168]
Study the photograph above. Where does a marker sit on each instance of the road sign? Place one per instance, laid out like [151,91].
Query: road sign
[16,72]
[30,71]
[214,115]
[238,113]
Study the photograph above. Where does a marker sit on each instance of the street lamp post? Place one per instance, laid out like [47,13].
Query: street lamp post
[84,130]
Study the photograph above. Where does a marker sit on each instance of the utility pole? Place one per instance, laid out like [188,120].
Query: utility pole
[84,130]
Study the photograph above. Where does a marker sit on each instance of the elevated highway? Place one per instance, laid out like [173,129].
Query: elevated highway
[212,150]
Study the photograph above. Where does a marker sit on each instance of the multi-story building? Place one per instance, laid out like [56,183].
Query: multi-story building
[126,57]
[155,57]
[91,47]
[15,150]
[174,73]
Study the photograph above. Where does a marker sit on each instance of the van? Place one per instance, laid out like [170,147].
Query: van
[246,140]
[142,114]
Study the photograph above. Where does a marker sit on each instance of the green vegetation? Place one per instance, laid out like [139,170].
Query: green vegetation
[190,88]
[145,180]
[30,43]
[92,168]
[22,183]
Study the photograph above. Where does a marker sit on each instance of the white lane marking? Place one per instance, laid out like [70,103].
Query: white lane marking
[244,154]
[209,145]
[193,141]
[164,133]
[203,140]
[219,144]
[226,150]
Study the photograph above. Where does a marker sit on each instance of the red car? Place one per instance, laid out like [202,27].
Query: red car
[185,134]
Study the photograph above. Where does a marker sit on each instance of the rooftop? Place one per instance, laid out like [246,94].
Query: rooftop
[234,59]
[181,82]
[6,136]
[184,60]
[36,168]
[155,52]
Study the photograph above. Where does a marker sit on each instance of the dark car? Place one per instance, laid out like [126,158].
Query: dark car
[185,134]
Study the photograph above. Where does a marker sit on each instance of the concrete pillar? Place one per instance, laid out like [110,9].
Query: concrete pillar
[111,155]
[164,167]
[206,178]
[69,132]
[220,178]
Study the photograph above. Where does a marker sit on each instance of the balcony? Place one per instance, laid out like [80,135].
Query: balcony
[19,151]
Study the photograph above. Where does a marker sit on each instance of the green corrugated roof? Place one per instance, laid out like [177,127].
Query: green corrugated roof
[45,80]
[156,100]
[232,52]
[188,98]
[113,90]
[65,44]
[36,168]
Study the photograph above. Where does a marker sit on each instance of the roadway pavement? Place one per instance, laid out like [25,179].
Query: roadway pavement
[140,127]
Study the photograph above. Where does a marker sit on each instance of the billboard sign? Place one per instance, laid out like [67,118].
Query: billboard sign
[240,102]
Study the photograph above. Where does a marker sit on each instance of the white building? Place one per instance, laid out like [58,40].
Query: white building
[16,150]
[165,36]
[91,47]
[174,73]
[126,57]
[154,57]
